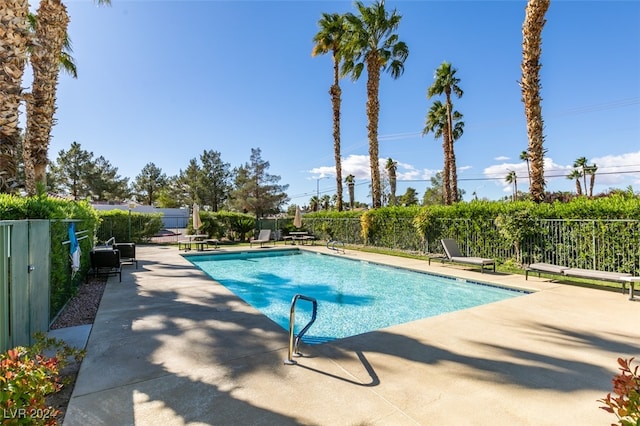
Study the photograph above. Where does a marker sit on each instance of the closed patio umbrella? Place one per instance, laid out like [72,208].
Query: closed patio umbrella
[197,223]
[297,219]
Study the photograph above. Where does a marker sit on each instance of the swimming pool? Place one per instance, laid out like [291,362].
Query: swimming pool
[354,297]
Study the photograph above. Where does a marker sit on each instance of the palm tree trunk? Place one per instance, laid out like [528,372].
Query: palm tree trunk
[14,34]
[392,184]
[578,187]
[335,92]
[446,174]
[352,195]
[530,86]
[453,180]
[45,59]
[373,111]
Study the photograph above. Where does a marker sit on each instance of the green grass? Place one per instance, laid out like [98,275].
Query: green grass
[508,267]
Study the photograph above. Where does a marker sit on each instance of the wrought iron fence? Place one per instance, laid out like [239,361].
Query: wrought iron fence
[603,244]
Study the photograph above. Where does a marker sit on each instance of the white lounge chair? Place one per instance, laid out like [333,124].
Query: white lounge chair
[593,274]
[454,254]
[549,268]
[263,237]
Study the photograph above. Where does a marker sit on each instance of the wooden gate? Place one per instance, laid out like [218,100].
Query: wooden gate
[24,281]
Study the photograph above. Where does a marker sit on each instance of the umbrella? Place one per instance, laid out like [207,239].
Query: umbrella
[197,223]
[297,220]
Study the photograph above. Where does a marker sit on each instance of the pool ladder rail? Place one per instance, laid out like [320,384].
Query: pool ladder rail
[294,341]
[331,245]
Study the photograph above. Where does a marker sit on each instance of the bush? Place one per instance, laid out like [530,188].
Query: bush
[28,376]
[59,213]
[626,385]
[127,226]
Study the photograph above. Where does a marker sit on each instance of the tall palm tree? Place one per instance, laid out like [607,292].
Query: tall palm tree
[15,37]
[330,39]
[446,83]
[582,164]
[351,183]
[50,34]
[576,174]
[591,171]
[530,86]
[392,167]
[47,56]
[437,122]
[524,156]
[512,178]
[372,43]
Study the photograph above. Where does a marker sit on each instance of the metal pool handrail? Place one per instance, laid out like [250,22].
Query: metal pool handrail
[293,342]
[333,245]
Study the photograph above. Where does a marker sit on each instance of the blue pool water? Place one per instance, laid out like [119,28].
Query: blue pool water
[354,297]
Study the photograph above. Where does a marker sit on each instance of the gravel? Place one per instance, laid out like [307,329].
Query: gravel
[83,307]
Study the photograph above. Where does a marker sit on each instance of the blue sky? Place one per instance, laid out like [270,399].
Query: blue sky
[162,81]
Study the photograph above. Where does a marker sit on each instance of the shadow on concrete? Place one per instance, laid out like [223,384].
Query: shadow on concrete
[152,350]
[534,370]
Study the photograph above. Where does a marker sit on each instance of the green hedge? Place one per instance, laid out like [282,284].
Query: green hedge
[127,226]
[60,213]
[602,233]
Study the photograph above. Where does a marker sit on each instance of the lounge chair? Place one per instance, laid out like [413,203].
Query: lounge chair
[544,267]
[593,274]
[453,254]
[596,275]
[263,237]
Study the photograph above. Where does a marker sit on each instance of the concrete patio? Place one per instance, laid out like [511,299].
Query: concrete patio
[170,346]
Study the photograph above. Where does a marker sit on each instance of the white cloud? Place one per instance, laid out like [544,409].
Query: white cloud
[358,165]
[498,173]
[502,158]
[613,171]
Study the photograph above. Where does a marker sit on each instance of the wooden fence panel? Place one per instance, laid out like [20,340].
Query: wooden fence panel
[5,334]
[24,281]
[40,271]
[19,285]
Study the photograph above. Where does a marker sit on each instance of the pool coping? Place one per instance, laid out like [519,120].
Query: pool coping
[168,347]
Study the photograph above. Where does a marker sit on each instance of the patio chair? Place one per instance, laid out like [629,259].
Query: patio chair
[263,237]
[106,262]
[454,254]
[127,253]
